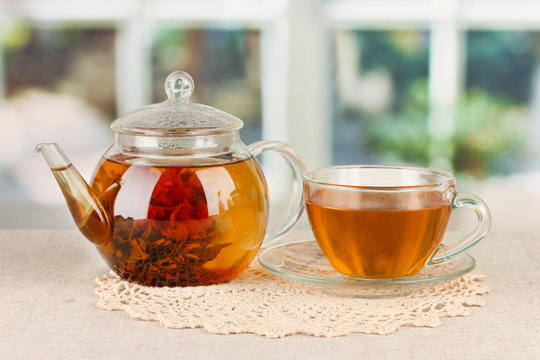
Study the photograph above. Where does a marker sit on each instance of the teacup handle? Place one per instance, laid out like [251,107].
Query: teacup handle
[465,200]
[295,205]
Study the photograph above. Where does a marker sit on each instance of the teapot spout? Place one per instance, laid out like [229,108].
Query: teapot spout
[85,207]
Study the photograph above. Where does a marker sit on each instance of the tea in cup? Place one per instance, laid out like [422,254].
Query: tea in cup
[381,222]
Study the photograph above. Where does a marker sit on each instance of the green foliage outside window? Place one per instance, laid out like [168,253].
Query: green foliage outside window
[490,133]
[491,117]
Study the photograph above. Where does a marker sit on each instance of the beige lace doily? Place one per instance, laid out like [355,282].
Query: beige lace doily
[264,304]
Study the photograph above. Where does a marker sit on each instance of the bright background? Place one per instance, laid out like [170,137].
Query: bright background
[444,83]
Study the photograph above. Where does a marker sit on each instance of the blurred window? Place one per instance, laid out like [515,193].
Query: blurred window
[60,87]
[497,116]
[74,61]
[404,96]
[445,83]
[381,107]
[224,64]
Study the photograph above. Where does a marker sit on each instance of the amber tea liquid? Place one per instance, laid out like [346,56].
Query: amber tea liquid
[186,224]
[378,243]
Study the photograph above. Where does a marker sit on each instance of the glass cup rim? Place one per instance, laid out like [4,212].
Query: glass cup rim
[449,179]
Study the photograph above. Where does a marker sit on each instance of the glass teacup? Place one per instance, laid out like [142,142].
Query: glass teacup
[374,221]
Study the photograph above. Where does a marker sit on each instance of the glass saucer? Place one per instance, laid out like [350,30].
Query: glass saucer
[303,262]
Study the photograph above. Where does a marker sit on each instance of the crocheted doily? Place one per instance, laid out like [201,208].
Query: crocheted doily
[264,304]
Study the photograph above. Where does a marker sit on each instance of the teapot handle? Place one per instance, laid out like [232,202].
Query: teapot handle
[295,204]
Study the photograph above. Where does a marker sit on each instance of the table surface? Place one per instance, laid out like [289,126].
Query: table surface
[49,311]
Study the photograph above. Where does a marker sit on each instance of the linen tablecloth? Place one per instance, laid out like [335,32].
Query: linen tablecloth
[48,310]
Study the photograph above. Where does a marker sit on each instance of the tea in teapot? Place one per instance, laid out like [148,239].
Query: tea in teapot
[178,199]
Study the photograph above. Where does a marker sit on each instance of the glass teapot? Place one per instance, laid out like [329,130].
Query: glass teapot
[178,199]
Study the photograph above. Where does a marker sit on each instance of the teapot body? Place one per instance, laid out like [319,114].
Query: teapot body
[179,220]
[178,199]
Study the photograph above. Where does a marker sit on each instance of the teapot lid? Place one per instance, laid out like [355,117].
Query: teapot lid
[176,116]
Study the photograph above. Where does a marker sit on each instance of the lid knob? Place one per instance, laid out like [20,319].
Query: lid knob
[179,85]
